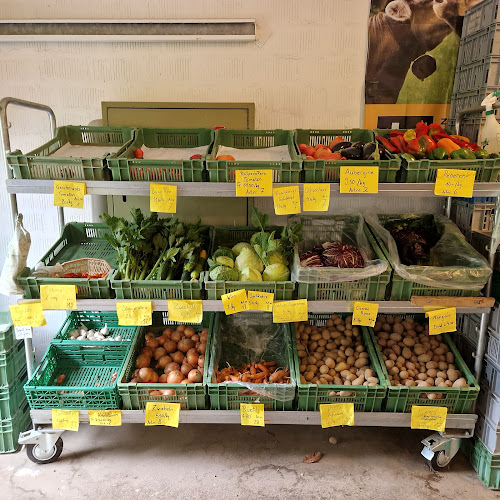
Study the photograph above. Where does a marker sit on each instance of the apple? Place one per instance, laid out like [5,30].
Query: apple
[139,153]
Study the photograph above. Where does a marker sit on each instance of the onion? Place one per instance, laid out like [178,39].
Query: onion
[177,357]
[136,373]
[149,335]
[176,336]
[185,381]
[142,361]
[168,392]
[167,332]
[163,361]
[185,344]
[204,335]
[153,343]
[192,357]
[134,381]
[195,376]
[186,368]
[163,378]
[202,347]
[171,367]
[145,374]
[181,328]
[162,339]
[170,346]
[201,361]
[155,393]
[159,352]
[189,332]
[195,338]
[154,378]
[175,377]
[147,350]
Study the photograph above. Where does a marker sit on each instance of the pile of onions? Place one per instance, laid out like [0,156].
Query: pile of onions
[173,357]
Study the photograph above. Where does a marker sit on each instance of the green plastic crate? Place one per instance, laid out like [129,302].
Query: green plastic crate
[283,171]
[6,332]
[373,288]
[229,396]
[126,167]
[12,396]
[96,321]
[88,384]
[228,236]
[12,363]
[10,429]
[79,240]
[329,170]
[484,463]
[190,396]
[456,399]
[38,164]
[364,398]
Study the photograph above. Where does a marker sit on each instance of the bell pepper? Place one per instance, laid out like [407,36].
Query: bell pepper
[463,144]
[459,137]
[394,133]
[421,129]
[447,144]
[462,154]
[399,143]
[409,135]
[386,143]
[407,157]
[482,154]
[435,128]
[438,154]
[415,148]
[427,143]
[441,135]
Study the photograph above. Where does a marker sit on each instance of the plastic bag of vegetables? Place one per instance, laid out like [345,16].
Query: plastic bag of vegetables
[335,249]
[429,249]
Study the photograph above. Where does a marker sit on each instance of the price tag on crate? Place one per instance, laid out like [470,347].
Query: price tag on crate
[364,313]
[336,414]
[68,420]
[69,194]
[442,320]
[451,182]
[432,418]
[185,311]
[58,296]
[107,418]
[235,302]
[286,200]
[287,311]
[28,314]
[163,198]
[316,197]
[252,414]
[260,301]
[23,332]
[254,182]
[135,313]
[358,179]
[162,414]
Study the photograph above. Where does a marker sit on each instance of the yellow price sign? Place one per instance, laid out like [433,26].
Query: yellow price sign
[68,420]
[235,302]
[185,311]
[365,313]
[450,182]
[287,311]
[286,200]
[358,179]
[28,314]
[333,415]
[254,182]
[260,301]
[316,197]
[163,414]
[69,194]
[58,296]
[163,198]
[135,313]
[429,417]
[442,320]
[252,414]
[107,418]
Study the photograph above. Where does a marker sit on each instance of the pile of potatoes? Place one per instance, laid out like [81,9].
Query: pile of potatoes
[333,354]
[415,358]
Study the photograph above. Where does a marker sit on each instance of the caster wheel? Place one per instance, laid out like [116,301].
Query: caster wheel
[439,461]
[38,456]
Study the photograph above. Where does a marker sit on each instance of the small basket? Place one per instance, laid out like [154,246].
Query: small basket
[85,266]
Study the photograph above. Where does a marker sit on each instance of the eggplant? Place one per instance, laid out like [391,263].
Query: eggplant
[341,145]
[368,149]
[359,144]
[352,153]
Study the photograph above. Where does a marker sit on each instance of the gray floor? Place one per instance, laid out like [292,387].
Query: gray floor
[217,462]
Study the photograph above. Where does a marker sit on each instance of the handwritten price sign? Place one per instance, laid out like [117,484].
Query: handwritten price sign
[442,320]
[162,414]
[69,194]
[134,313]
[28,314]
[359,179]
[106,418]
[254,182]
[260,301]
[58,296]
[235,302]
[67,420]
[450,182]
[364,314]
[163,198]
[316,197]
[286,200]
[287,311]
[185,311]
[333,415]
[252,414]
[429,417]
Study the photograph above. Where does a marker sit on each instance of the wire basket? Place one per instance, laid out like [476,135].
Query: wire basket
[91,267]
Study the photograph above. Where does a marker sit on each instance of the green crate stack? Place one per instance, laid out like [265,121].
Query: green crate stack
[283,171]
[364,398]
[39,164]
[229,396]
[79,240]
[228,236]
[190,396]
[6,332]
[329,170]
[11,427]
[484,463]
[126,167]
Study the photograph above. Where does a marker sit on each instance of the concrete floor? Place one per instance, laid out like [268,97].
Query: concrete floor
[217,462]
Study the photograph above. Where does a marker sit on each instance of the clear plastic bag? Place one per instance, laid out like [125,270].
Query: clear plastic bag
[453,263]
[349,229]
[246,337]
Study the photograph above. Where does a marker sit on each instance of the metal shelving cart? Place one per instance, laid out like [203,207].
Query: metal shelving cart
[44,444]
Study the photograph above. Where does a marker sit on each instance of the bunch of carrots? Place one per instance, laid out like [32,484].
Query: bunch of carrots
[262,372]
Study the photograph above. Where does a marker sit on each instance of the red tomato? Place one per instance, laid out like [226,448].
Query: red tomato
[71,275]
[139,153]
[195,157]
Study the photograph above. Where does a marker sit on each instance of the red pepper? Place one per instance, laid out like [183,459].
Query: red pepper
[399,143]
[415,148]
[394,133]
[435,128]
[386,143]
[427,143]
[71,275]
[441,135]
[463,144]
[421,129]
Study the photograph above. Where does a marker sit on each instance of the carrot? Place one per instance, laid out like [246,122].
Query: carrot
[253,370]
[263,368]
[269,363]
[257,376]
[234,378]
[276,377]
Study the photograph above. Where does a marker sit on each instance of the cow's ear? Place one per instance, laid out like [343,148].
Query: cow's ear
[398,10]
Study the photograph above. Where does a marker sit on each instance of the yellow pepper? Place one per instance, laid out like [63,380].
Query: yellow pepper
[447,144]
[409,135]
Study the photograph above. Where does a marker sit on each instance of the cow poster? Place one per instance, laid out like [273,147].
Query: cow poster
[412,54]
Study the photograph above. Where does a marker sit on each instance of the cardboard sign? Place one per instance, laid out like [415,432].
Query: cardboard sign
[163,198]
[28,314]
[451,182]
[69,194]
[365,314]
[333,415]
[442,320]
[185,311]
[23,332]
[286,200]
[162,414]
[288,311]
[252,414]
[316,197]
[107,418]
[358,179]
[58,296]
[254,182]
[68,420]
[235,302]
[135,313]
[260,301]
[429,417]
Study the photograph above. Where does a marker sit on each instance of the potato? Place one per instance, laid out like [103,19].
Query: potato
[461,382]
[452,375]
[323,369]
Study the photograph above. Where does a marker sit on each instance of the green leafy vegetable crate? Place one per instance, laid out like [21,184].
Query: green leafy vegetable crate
[11,427]
[39,164]
[12,396]
[12,363]
[329,170]
[484,463]
[126,167]
[190,396]
[364,398]
[78,240]
[283,171]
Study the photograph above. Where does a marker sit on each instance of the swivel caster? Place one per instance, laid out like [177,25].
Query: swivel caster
[38,454]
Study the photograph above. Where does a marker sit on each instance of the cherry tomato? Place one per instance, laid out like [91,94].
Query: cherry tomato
[195,157]
[71,275]
[139,153]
